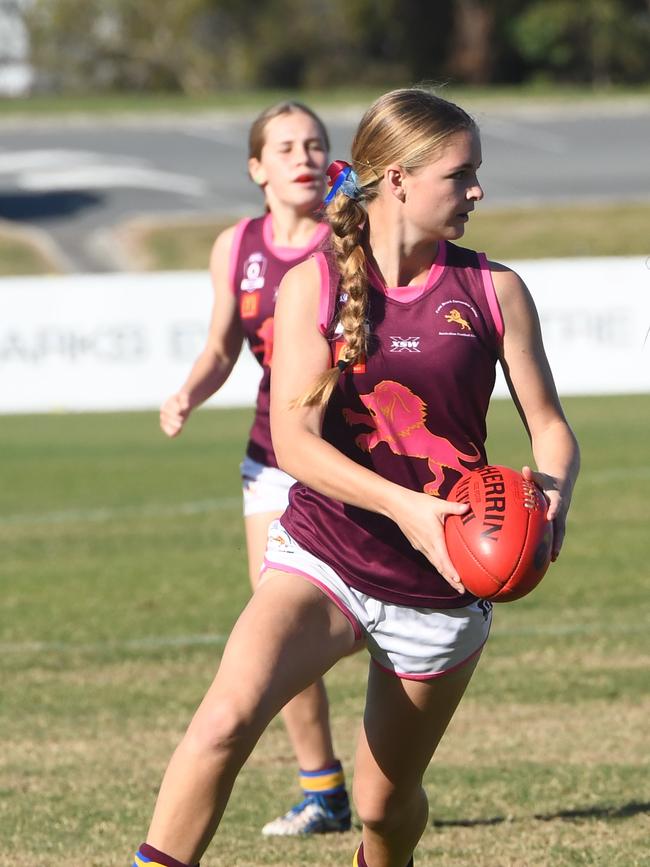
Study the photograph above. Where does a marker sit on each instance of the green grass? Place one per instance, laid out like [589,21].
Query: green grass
[557,231]
[19,256]
[152,103]
[124,569]
[507,234]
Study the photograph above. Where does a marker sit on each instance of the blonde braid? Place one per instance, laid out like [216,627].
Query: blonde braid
[347,219]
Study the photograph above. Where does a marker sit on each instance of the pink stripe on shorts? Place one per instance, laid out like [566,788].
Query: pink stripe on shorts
[412,643]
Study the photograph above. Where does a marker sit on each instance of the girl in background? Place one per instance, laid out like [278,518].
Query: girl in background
[288,154]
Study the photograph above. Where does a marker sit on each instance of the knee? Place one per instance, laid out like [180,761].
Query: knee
[222,728]
[385,808]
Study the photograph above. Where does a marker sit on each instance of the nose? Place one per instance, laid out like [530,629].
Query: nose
[303,154]
[475,192]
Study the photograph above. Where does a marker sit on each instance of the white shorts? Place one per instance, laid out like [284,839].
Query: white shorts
[266,489]
[412,643]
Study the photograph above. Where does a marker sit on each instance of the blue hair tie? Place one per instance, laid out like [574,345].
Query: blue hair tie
[347,182]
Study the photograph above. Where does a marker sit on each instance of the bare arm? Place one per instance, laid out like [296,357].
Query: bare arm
[531,384]
[217,359]
[300,355]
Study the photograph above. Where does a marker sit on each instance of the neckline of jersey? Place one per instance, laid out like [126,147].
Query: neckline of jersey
[287,254]
[409,294]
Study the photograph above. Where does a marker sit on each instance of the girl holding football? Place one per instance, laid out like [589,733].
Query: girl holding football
[386,347]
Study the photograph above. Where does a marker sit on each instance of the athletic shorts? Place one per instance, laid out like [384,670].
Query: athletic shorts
[412,643]
[266,489]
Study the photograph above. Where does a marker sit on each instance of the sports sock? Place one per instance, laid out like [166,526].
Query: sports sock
[147,856]
[328,781]
[360,861]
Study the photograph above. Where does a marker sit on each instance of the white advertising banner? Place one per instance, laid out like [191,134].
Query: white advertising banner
[126,341]
[106,342]
[595,316]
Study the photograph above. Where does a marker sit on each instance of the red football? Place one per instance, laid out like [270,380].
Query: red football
[501,547]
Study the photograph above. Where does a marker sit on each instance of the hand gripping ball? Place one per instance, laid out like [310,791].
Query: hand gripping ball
[501,547]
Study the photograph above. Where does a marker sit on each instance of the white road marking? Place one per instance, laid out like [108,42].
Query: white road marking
[49,170]
[95,177]
[24,161]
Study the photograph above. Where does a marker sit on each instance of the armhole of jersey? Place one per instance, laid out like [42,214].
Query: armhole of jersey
[240,228]
[324,304]
[490,294]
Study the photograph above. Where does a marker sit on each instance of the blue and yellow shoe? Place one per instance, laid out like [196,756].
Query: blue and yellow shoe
[316,814]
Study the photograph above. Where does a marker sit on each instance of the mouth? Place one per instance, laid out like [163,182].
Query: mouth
[307,179]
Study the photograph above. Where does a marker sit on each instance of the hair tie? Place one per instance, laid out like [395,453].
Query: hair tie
[342,179]
[342,365]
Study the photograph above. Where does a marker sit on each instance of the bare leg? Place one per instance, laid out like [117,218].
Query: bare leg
[306,717]
[403,723]
[288,635]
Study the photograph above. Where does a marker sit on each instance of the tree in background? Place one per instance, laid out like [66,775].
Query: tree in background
[594,41]
[200,46]
[191,46]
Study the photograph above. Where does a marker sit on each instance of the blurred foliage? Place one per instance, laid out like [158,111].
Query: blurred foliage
[602,41]
[200,46]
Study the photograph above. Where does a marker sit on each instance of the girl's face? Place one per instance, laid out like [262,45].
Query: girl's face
[439,197]
[291,167]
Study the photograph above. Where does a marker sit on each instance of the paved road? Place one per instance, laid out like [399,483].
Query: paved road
[77,179]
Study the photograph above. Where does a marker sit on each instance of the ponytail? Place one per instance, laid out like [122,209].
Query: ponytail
[347,219]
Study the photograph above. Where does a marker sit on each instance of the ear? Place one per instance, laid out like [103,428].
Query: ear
[256,171]
[394,176]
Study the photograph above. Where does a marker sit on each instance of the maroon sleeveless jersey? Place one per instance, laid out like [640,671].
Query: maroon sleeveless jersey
[257,266]
[414,411]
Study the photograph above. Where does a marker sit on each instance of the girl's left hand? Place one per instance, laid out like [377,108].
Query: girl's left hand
[558,504]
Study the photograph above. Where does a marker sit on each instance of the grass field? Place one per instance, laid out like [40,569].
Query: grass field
[123,570]
[20,255]
[538,93]
[507,233]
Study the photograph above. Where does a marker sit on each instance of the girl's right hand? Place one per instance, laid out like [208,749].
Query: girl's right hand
[174,413]
[421,517]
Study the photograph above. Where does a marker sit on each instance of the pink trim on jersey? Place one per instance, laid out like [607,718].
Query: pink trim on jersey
[240,228]
[405,294]
[288,254]
[458,665]
[490,294]
[356,626]
[324,311]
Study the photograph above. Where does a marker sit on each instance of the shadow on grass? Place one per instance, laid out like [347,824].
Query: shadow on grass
[626,811]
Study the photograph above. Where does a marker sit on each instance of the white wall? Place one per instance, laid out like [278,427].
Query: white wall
[125,341]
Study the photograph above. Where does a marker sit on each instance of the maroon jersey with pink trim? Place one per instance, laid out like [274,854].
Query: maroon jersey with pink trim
[257,266]
[414,411]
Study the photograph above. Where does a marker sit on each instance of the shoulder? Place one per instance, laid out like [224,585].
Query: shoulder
[507,283]
[306,274]
[515,301]
[223,244]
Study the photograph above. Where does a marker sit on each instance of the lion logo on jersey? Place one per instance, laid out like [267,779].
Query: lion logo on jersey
[398,418]
[455,317]
[265,333]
